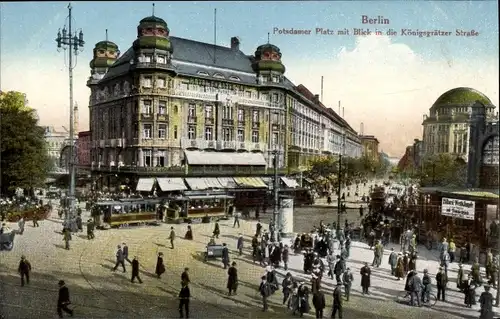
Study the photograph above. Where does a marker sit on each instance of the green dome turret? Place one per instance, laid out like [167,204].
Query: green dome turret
[153,33]
[268,58]
[461,96]
[105,54]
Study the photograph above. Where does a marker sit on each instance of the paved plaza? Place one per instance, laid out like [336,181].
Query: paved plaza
[97,292]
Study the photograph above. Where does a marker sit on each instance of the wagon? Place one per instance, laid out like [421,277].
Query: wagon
[7,240]
[213,252]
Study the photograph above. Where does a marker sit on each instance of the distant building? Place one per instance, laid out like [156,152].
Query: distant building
[369,145]
[83,147]
[56,138]
[447,127]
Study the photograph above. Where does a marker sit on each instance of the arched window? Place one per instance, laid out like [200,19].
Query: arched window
[203,73]
[490,151]
[218,76]
[234,78]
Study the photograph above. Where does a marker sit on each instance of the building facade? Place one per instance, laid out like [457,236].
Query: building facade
[83,148]
[57,139]
[447,127]
[167,97]
[369,145]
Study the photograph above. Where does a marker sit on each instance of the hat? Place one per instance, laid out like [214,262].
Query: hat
[61,283]
[486,286]
[425,271]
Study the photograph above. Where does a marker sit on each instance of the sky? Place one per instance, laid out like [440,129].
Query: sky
[386,82]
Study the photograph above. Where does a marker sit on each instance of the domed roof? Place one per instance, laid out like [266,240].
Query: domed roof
[268,46]
[461,96]
[153,19]
[106,44]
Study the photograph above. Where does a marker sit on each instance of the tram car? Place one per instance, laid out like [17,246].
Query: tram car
[127,212]
[196,207]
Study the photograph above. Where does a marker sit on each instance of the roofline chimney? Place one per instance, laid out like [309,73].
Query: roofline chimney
[235,43]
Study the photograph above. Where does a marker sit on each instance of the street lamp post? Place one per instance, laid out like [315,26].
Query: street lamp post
[339,189]
[73,43]
[276,191]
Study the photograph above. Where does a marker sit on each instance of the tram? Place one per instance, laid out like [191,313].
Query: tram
[125,212]
[199,207]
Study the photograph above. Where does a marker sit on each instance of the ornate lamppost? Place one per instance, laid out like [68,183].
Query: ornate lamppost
[70,41]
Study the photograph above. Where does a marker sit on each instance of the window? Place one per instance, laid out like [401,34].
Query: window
[161,82]
[218,76]
[161,59]
[146,131]
[162,131]
[209,111]
[192,110]
[275,119]
[147,158]
[175,132]
[241,115]
[276,138]
[191,132]
[203,73]
[162,108]
[255,136]
[227,112]
[147,107]
[146,59]
[161,158]
[234,78]
[248,94]
[255,116]
[276,97]
[146,82]
[241,135]
[209,133]
[227,134]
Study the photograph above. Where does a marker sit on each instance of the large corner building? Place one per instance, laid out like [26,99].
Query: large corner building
[170,105]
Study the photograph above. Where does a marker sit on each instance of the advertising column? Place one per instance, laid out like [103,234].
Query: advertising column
[286,216]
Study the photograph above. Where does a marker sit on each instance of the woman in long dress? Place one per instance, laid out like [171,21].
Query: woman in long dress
[470,292]
[160,267]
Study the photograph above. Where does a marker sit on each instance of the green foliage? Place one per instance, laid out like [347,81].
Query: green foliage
[443,170]
[24,157]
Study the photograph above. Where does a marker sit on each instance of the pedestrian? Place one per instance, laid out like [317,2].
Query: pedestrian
[460,277]
[365,278]
[125,252]
[347,279]
[319,303]
[232,279]
[66,237]
[339,269]
[90,229]
[452,248]
[285,257]
[400,271]
[239,244]
[486,303]
[184,296]
[135,270]
[225,255]
[185,277]
[35,220]
[393,261]
[120,259]
[287,285]
[79,222]
[216,231]
[265,292]
[24,270]
[415,288]
[426,287]
[337,301]
[236,219]
[172,237]
[470,292]
[160,266]
[63,300]
[441,282]
[258,228]
[21,224]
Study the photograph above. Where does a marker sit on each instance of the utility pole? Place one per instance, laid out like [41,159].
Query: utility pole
[339,186]
[73,43]
[276,190]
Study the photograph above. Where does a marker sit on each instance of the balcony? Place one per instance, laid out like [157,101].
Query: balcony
[212,96]
[241,145]
[107,143]
[252,102]
[203,96]
[191,119]
[120,142]
[241,123]
[209,121]
[151,65]
[255,125]
[256,146]
[162,117]
[226,145]
[155,142]
[146,116]
[228,122]
[112,142]
[276,127]
[102,143]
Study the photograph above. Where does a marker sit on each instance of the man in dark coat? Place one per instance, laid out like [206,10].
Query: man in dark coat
[225,255]
[185,277]
[347,279]
[239,244]
[232,279]
[287,285]
[120,259]
[319,303]
[365,278]
[337,301]
[125,252]
[486,303]
[284,256]
[441,282]
[258,229]
[184,296]
[90,229]
[24,270]
[265,292]
[135,270]
[63,300]
[416,288]
[339,269]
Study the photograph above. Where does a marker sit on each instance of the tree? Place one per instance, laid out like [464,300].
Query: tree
[24,157]
[443,170]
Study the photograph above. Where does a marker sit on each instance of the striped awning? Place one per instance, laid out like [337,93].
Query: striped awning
[252,182]
[203,183]
[171,184]
[227,182]
[145,184]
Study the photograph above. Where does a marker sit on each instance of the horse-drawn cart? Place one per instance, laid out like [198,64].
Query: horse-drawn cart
[7,240]
[213,252]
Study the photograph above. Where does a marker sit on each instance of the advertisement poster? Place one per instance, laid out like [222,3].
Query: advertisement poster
[458,208]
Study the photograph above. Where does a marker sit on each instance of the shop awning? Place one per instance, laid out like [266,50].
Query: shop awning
[171,184]
[227,182]
[224,158]
[203,183]
[145,184]
[252,182]
[310,181]
[290,182]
